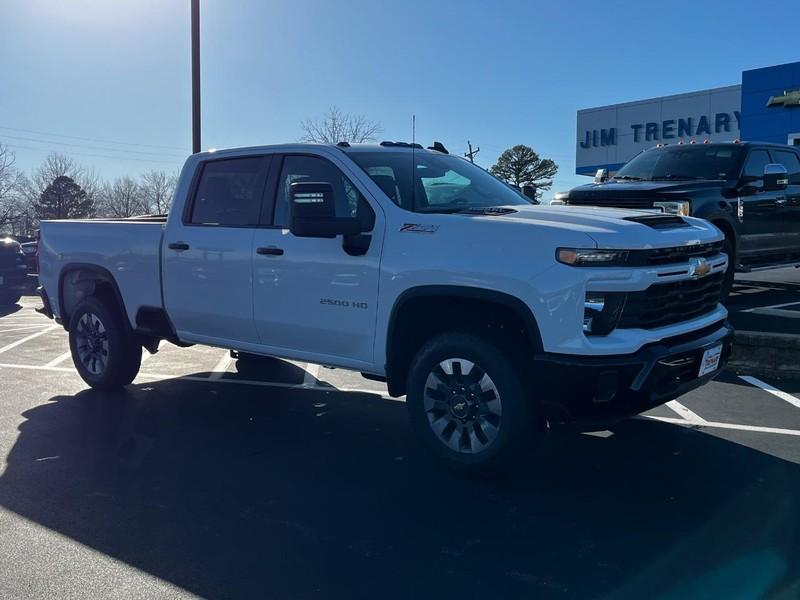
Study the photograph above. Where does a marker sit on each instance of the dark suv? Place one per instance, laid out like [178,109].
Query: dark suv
[751,191]
[13,271]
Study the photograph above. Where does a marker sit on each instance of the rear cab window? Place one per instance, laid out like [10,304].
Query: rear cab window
[229,192]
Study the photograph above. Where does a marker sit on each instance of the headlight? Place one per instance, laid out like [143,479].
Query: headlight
[601,312]
[580,257]
[560,198]
[682,209]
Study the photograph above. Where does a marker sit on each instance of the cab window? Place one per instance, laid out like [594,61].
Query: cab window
[792,164]
[229,192]
[754,165]
[349,201]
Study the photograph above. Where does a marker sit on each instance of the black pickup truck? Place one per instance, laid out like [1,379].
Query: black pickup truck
[13,272]
[750,190]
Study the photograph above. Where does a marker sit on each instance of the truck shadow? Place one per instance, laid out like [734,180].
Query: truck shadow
[750,297]
[240,491]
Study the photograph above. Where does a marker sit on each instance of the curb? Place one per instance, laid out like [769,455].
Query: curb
[769,354]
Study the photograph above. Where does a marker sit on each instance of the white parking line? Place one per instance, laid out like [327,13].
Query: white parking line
[772,390]
[222,366]
[684,412]
[21,328]
[59,359]
[27,339]
[716,425]
[311,375]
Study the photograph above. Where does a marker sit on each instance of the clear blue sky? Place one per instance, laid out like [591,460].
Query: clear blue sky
[497,73]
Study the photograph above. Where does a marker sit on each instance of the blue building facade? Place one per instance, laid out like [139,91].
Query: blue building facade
[771,104]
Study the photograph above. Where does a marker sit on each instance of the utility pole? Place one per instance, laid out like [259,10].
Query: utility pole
[471,154]
[195,76]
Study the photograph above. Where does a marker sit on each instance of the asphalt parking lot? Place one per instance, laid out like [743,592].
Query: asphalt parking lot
[216,478]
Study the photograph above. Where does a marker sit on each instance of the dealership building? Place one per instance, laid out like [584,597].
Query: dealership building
[765,107]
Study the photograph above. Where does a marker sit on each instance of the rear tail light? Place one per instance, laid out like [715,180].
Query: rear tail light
[37,235]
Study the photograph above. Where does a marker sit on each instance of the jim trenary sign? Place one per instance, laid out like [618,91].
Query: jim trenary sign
[668,129]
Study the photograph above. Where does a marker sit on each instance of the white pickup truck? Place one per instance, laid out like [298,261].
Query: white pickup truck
[495,317]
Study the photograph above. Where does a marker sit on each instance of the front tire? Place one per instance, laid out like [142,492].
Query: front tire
[467,403]
[104,350]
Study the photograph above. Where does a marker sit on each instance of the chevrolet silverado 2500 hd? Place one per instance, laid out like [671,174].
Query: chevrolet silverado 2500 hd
[493,316]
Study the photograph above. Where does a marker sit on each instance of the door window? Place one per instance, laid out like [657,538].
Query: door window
[754,167]
[229,192]
[792,164]
[349,201]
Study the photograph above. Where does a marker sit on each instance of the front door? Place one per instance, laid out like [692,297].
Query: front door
[789,205]
[208,279]
[758,212]
[317,296]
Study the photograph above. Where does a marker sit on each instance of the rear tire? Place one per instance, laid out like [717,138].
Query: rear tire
[468,404]
[727,279]
[104,350]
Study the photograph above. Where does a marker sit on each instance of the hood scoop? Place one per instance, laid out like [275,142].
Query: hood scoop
[489,211]
[659,221]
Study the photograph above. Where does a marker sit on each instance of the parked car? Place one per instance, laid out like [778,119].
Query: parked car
[13,272]
[750,191]
[29,252]
[493,316]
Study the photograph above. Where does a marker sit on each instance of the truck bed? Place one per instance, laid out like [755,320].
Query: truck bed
[129,249]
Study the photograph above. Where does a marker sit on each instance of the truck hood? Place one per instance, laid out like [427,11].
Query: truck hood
[625,189]
[613,227]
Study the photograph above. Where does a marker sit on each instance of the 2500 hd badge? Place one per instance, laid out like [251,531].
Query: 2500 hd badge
[343,303]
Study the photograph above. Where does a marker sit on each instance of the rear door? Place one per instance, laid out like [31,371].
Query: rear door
[317,297]
[760,228]
[208,283]
[789,205]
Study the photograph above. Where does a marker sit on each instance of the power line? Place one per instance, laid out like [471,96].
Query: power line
[120,158]
[85,139]
[145,153]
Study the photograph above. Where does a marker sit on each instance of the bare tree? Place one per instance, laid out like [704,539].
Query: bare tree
[337,126]
[122,198]
[157,188]
[11,204]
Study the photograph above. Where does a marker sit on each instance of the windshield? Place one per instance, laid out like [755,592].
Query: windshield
[440,183]
[683,162]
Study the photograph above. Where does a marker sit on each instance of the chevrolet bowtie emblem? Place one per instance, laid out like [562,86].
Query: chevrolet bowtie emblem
[789,98]
[699,267]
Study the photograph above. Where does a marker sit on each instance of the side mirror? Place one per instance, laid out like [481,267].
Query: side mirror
[312,212]
[776,177]
[601,176]
[529,191]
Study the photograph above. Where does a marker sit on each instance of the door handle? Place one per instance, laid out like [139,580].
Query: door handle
[780,201]
[178,246]
[270,251]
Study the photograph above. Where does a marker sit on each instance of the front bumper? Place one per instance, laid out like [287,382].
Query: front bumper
[589,392]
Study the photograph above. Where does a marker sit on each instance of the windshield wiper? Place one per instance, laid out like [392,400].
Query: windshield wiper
[628,177]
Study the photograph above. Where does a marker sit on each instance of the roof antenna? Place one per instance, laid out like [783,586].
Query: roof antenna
[413,163]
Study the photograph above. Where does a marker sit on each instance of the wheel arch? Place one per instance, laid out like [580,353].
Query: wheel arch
[76,281]
[421,312]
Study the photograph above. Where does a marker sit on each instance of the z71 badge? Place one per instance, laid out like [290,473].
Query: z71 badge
[418,228]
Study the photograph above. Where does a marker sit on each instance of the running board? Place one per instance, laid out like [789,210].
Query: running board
[746,269]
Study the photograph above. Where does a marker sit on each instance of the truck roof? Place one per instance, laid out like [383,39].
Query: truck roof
[341,146]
